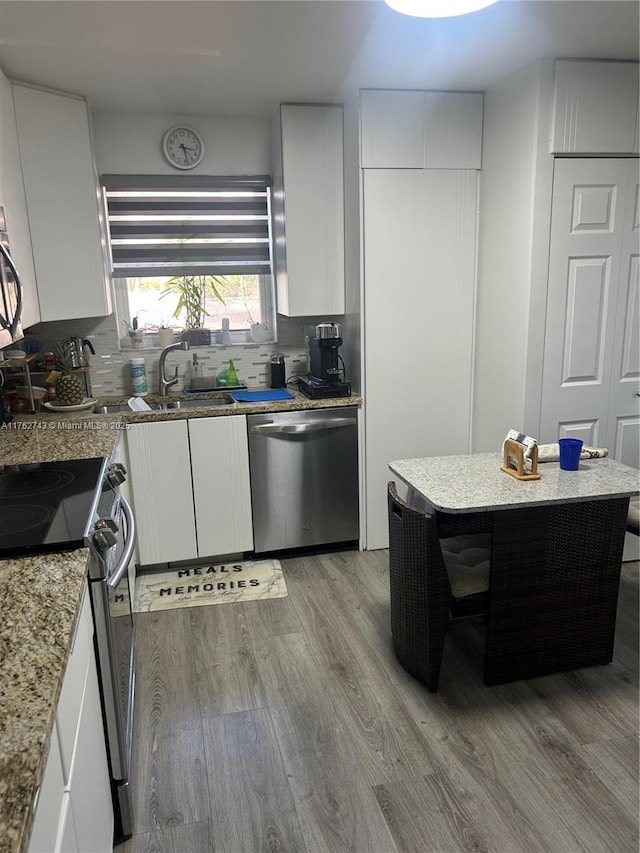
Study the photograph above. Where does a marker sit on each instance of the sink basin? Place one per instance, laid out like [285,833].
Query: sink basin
[169,405]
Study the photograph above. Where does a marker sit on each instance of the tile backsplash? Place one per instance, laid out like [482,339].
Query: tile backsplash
[110,364]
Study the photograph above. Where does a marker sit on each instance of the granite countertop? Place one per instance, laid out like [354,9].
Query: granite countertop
[54,436]
[475,482]
[297,402]
[40,596]
[40,600]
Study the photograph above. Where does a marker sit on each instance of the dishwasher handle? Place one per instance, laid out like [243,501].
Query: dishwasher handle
[272,428]
[125,557]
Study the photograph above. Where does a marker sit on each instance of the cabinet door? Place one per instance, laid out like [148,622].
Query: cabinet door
[596,107]
[161,490]
[309,230]
[73,686]
[392,129]
[46,822]
[420,130]
[453,130]
[67,831]
[62,203]
[90,788]
[221,486]
[419,292]
[15,205]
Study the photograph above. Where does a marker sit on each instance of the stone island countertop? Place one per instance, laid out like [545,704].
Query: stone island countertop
[40,596]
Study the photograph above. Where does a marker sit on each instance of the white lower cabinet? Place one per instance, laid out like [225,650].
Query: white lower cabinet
[190,488]
[44,835]
[74,812]
[221,486]
[160,467]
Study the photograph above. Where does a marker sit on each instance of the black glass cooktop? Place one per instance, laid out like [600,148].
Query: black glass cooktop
[46,507]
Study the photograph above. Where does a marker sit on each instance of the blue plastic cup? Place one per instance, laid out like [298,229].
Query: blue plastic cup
[570,449]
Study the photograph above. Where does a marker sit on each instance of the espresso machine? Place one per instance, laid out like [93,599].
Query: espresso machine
[326,374]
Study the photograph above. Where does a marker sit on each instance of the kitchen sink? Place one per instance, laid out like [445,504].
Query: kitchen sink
[169,405]
[218,400]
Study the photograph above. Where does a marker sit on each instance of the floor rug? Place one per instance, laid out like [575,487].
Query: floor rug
[206,583]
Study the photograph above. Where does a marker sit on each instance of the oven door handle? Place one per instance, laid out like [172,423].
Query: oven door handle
[130,541]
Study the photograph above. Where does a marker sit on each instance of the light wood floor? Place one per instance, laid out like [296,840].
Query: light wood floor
[288,725]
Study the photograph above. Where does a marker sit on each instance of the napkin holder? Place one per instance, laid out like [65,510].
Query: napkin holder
[514,452]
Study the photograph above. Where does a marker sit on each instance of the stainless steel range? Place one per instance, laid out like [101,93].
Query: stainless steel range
[60,506]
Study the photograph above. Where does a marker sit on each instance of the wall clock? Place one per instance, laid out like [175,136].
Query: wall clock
[182,147]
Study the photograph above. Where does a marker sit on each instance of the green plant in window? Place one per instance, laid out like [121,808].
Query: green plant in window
[192,293]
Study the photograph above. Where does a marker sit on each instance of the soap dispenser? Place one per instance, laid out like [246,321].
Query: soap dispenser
[232,376]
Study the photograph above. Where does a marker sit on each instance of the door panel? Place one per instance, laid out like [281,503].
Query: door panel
[624,403]
[588,287]
[592,345]
[419,292]
[627,440]
[588,431]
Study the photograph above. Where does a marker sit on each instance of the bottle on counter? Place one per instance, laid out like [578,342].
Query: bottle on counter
[225,334]
[138,371]
[232,376]
[197,371]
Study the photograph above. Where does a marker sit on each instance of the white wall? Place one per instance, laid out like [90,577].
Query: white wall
[506,241]
[132,144]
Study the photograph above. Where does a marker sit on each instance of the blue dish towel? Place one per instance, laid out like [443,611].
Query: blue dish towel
[262,396]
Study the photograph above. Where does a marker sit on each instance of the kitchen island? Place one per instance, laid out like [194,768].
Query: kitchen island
[556,552]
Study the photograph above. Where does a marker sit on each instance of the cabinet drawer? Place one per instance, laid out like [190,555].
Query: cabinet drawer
[68,716]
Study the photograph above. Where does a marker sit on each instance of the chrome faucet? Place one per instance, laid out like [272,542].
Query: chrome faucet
[163,383]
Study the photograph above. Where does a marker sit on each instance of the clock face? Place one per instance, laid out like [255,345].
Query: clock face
[182,147]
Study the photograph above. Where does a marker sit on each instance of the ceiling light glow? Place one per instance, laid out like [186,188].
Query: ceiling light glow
[438,8]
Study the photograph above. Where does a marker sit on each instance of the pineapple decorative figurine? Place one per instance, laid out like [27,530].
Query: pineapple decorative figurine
[69,390]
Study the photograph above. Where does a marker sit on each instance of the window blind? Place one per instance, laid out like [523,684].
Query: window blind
[188,225]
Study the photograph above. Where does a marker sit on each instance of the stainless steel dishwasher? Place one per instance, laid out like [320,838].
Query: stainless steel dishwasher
[304,478]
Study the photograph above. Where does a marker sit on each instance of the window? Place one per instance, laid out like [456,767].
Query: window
[189,251]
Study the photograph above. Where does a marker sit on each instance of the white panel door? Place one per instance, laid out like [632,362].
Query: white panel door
[221,485]
[419,289]
[590,372]
[624,403]
[161,490]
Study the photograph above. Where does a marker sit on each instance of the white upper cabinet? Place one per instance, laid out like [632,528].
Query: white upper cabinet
[63,204]
[392,129]
[308,210]
[595,108]
[13,200]
[420,130]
